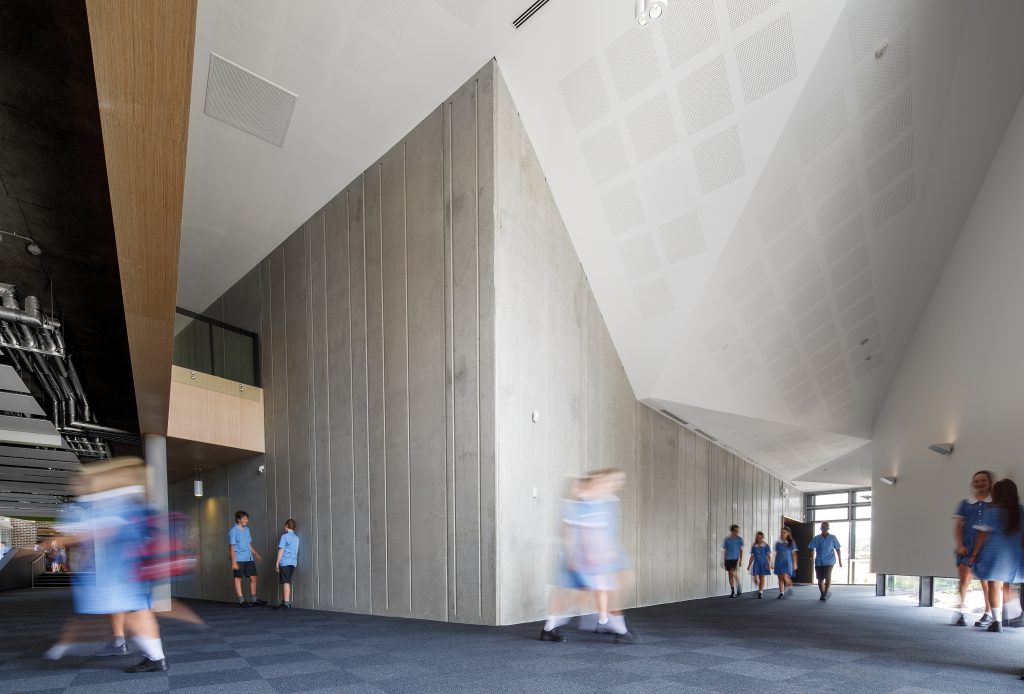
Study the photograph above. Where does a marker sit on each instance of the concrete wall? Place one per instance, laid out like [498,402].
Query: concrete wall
[960,380]
[376,319]
[555,357]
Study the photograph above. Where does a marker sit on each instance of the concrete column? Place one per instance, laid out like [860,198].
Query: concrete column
[156,476]
[926,592]
[880,580]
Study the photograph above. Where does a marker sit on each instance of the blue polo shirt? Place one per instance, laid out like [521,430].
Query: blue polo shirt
[824,549]
[290,544]
[242,540]
[732,546]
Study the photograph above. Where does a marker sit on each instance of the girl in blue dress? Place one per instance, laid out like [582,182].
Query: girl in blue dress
[785,561]
[759,565]
[967,515]
[996,556]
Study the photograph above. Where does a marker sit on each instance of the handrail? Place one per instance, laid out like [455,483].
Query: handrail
[31,567]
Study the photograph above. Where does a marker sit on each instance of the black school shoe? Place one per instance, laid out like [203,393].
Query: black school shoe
[552,635]
[995,627]
[782,596]
[111,649]
[245,603]
[628,637]
[283,606]
[984,621]
[147,665]
[259,603]
[960,621]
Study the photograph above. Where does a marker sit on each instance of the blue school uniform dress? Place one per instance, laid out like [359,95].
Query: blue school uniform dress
[760,565]
[784,558]
[971,512]
[732,546]
[106,581]
[1000,556]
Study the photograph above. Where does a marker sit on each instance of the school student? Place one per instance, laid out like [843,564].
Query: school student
[826,550]
[287,559]
[786,555]
[732,551]
[759,564]
[242,551]
[968,514]
[996,556]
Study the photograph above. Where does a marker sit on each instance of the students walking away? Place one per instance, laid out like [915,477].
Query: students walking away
[287,559]
[826,550]
[732,551]
[997,548]
[785,561]
[569,577]
[759,565]
[968,514]
[242,551]
[605,545]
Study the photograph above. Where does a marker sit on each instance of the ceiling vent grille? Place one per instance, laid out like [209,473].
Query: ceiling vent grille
[672,416]
[248,102]
[519,21]
[705,434]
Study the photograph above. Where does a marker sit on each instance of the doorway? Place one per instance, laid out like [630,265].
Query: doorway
[802,534]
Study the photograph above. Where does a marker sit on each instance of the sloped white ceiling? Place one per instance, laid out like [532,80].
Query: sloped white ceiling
[762,192]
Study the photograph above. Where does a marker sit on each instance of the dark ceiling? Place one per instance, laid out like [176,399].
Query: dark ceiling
[53,188]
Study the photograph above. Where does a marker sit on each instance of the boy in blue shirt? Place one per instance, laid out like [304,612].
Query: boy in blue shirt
[242,552]
[732,547]
[287,558]
[826,549]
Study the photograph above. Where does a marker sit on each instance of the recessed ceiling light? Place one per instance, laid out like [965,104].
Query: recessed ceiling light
[656,8]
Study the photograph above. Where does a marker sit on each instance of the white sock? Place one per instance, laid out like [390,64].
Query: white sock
[59,650]
[1012,610]
[618,623]
[150,647]
[555,622]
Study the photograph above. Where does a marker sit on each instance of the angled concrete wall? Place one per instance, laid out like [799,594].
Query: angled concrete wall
[409,330]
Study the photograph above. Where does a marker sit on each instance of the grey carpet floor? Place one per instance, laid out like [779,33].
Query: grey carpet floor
[853,643]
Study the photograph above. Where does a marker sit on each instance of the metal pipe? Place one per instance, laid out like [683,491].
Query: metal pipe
[76,384]
[108,433]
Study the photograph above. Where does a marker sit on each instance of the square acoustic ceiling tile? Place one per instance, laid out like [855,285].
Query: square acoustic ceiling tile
[742,11]
[891,165]
[887,123]
[705,96]
[767,60]
[690,28]
[882,76]
[893,200]
[780,214]
[639,256]
[682,238]
[605,154]
[652,128]
[843,239]
[654,298]
[751,279]
[248,102]
[791,245]
[585,95]
[633,62]
[719,160]
[623,208]
[834,169]
[842,205]
[823,127]
[665,187]
[874,22]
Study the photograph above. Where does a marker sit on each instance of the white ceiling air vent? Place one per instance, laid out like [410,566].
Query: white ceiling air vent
[248,102]
[672,416]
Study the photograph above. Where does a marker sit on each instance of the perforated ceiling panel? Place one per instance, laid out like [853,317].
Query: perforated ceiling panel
[767,60]
[823,128]
[887,123]
[877,78]
[651,128]
[742,11]
[654,298]
[873,23]
[886,205]
[248,102]
[719,160]
[623,208]
[705,96]
[682,238]
[585,95]
[605,154]
[690,28]
[639,256]
[891,165]
[633,62]
[779,215]
[835,168]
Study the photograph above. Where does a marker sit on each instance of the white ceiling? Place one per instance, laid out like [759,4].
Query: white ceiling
[751,192]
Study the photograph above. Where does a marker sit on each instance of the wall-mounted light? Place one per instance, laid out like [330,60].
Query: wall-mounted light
[942,448]
[888,480]
[197,484]
[647,10]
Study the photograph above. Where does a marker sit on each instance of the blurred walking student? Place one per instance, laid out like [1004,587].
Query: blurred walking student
[111,532]
[969,514]
[242,551]
[826,550]
[287,559]
[785,561]
[759,565]
[996,557]
[732,553]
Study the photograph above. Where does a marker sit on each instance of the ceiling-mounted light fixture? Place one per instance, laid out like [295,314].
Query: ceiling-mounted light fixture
[641,12]
[941,448]
[197,484]
[33,248]
[647,10]
[889,480]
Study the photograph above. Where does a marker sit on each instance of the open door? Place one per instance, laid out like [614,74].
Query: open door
[802,534]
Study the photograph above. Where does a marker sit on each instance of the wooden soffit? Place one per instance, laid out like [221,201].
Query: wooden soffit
[142,56]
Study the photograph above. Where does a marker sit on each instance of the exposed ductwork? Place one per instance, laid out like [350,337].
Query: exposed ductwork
[35,343]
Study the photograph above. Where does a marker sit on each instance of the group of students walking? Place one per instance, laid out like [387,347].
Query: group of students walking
[782,560]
